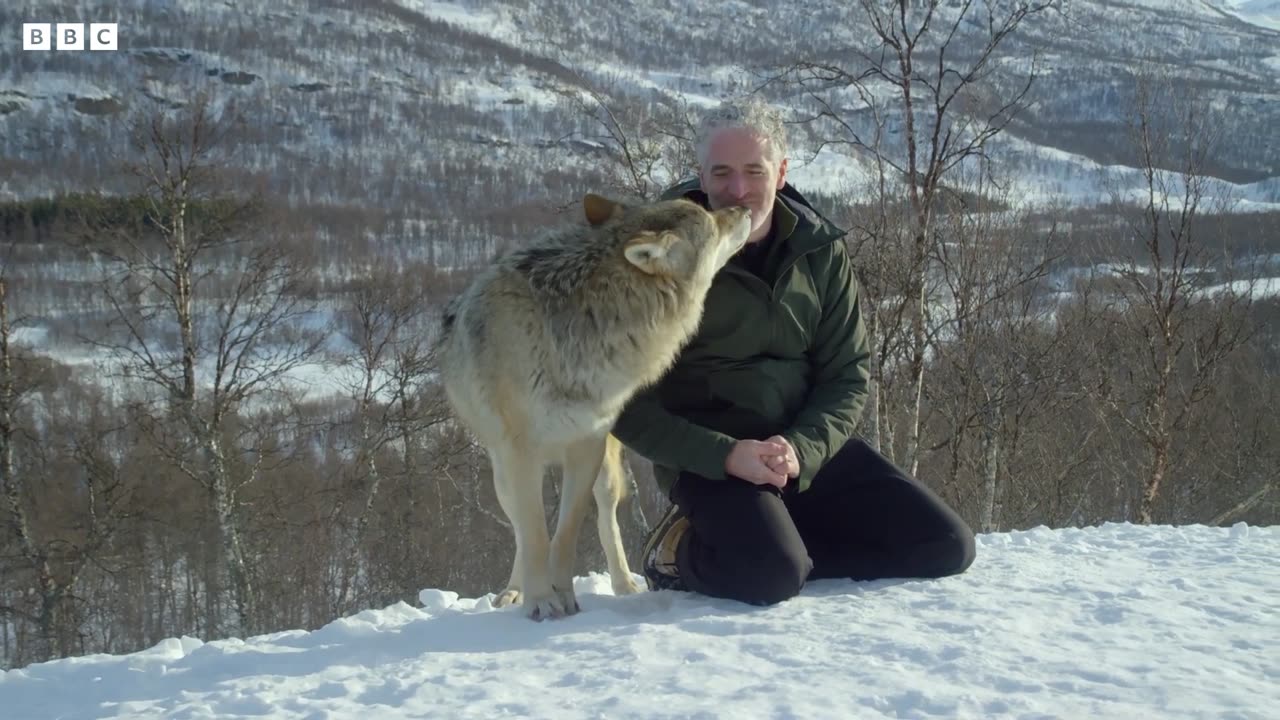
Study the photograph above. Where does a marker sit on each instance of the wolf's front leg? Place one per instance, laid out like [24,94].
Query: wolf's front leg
[581,462]
[518,483]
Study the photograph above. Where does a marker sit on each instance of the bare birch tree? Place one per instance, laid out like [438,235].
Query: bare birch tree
[996,344]
[204,307]
[57,533]
[1178,307]
[648,145]
[394,409]
[945,101]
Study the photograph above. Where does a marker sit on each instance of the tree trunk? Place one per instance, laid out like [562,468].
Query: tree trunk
[912,457]
[872,412]
[228,532]
[991,505]
[1151,489]
[51,636]
[350,566]
[1161,437]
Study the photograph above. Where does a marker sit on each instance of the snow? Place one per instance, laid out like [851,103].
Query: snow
[56,84]
[492,22]
[482,93]
[642,82]
[1114,621]
[1263,288]
[1056,176]
[829,171]
[1263,13]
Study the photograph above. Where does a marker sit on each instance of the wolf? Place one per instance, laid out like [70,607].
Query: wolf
[541,351]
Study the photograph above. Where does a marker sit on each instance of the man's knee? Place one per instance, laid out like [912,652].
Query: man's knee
[776,576]
[955,553]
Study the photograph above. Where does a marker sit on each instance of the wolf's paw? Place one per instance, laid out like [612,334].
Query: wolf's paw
[568,599]
[510,596]
[550,605]
[624,584]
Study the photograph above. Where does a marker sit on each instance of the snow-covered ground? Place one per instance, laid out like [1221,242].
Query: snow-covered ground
[1112,622]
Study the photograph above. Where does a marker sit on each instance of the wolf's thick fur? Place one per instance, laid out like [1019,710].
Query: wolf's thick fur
[540,353]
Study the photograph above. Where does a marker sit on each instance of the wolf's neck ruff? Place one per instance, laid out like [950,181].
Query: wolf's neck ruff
[601,322]
[571,274]
[559,267]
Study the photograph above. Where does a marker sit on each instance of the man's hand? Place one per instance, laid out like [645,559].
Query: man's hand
[750,460]
[784,463]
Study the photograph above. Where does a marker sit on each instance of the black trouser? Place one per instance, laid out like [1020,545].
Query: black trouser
[861,518]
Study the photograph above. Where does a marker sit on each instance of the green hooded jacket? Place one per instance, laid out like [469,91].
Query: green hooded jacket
[782,352]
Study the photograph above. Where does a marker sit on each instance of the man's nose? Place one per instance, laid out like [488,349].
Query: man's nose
[737,187]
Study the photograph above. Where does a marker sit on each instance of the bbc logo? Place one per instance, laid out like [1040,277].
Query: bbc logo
[68,36]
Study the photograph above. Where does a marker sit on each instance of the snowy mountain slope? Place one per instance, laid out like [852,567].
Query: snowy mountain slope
[1118,621]
[396,99]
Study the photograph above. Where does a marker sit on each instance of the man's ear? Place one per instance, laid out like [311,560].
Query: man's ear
[782,174]
[600,209]
[647,251]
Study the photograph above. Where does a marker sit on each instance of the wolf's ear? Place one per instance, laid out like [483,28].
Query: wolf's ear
[647,250]
[601,209]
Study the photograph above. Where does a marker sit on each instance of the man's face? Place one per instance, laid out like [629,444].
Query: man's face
[739,170]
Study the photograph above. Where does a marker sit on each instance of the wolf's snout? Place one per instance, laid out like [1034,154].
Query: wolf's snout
[734,225]
[742,227]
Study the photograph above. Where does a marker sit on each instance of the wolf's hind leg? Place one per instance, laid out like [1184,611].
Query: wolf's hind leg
[511,594]
[610,488]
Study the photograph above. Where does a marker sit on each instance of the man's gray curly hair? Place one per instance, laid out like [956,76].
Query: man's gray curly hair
[750,113]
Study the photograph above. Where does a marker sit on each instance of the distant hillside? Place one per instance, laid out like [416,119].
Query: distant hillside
[391,103]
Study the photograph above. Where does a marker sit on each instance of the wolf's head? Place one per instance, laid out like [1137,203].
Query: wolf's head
[678,239]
